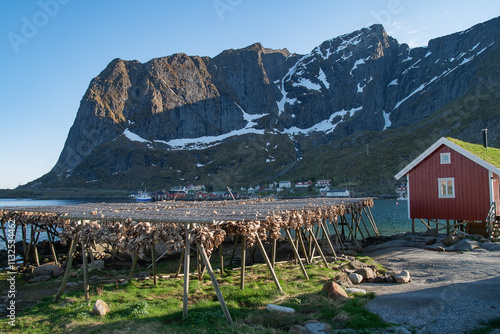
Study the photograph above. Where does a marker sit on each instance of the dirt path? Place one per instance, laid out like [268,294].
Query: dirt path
[450,292]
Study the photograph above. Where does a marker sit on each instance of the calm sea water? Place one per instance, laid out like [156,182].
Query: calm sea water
[391,216]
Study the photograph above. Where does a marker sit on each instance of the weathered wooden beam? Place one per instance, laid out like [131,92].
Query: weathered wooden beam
[214,283]
[243,261]
[296,252]
[85,272]
[271,269]
[69,262]
[132,269]
[185,297]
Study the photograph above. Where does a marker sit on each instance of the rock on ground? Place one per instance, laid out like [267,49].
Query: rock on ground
[100,308]
[334,291]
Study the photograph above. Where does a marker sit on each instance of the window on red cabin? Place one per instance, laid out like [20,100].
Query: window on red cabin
[446,187]
[445,158]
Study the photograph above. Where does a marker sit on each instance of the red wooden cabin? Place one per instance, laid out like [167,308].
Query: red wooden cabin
[454,181]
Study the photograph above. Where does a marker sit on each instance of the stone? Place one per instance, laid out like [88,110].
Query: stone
[367,273]
[403,277]
[100,308]
[315,327]
[494,246]
[355,265]
[278,308]
[466,245]
[450,240]
[355,278]
[45,270]
[58,272]
[334,291]
[355,290]
[98,264]
[71,285]
[431,241]
[440,249]
[430,233]
[39,279]
[297,329]
[342,279]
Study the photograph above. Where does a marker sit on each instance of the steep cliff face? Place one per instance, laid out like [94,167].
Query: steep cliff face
[351,84]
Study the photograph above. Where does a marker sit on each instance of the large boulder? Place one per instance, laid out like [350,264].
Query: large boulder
[450,240]
[367,273]
[334,291]
[403,277]
[100,308]
[355,278]
[45,270]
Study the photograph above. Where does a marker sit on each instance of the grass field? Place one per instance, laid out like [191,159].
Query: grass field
[140,307]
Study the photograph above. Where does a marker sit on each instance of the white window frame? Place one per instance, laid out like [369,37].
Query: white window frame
[447,195]
[445,158]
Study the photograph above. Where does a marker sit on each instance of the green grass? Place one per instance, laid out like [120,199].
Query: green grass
[140,307]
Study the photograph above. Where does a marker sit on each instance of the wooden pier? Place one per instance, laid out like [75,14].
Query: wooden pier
[136,227]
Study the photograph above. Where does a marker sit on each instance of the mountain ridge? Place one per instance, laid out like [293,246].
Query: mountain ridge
[352,84]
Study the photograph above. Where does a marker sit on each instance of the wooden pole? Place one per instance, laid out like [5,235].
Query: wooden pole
[273,253]
[35,240]
[299,233]
[338,235]
[85,272]
[413,226]
[134,264]
[273,273]
[234,249]
[243,260]
[447,227]
[319,249]
[25,251]
[296,252]
[221,252]
[69,262]
[153,258]
[322,223]
[186,273]
[52,249]
[222,303]
[181,259]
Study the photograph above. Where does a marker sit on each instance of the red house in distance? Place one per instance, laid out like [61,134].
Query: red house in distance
[455,181]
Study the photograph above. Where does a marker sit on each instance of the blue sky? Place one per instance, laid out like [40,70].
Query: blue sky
[51,49]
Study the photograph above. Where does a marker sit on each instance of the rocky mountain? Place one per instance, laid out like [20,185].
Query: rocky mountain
[255,114]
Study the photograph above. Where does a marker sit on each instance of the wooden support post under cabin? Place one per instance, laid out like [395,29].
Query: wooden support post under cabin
[134,264]
[319,248]
[85,272]
[185,299]
[299,233]
[221,252]
[296,252]
[69,262]
[234,249]
[447,227]
[153,258]
[243,260]
[413,226]
[264,254]
[273,253]
[181,259]
[322,223]
[222,303]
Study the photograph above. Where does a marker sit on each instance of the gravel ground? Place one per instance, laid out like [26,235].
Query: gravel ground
[450,292]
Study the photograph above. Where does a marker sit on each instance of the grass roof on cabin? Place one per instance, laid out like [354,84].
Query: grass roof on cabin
[490,154]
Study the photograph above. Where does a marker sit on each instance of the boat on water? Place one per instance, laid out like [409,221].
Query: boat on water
[143,196]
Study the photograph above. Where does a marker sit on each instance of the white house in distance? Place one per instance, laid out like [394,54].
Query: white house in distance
[336,193]
[323,183]
[285,184]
